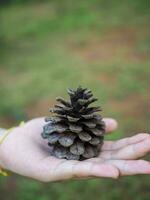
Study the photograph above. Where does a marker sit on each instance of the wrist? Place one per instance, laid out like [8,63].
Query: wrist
[2,133]
[4,147]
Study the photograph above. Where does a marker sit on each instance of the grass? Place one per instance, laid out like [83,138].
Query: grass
[51,45]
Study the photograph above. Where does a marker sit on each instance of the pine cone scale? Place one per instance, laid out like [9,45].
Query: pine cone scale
[67,140]
[77,148]
[75,128]
[85,136]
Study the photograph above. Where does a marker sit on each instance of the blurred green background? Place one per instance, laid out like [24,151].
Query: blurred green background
[47,46]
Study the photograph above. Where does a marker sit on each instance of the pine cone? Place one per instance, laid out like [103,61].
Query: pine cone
[75,132]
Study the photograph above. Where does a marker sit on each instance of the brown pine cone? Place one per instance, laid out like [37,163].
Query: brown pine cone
[75,132]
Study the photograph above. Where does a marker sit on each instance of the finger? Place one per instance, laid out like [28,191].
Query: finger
[40,121]
[111,124]
[133,151]
[63,170]
[35,127]
[131,167]
[78,169]
[110,145]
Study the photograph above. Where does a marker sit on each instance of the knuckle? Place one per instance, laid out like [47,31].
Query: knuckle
[148,140]
[75,170]
[141,162]
[45,179]
[144,134]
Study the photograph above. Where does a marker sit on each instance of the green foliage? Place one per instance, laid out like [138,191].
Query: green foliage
[48,46]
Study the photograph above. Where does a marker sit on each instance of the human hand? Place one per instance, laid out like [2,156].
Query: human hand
[26,153]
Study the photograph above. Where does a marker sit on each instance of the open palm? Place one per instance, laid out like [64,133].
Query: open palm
[26,153]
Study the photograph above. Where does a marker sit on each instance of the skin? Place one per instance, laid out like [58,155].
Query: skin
[25,152]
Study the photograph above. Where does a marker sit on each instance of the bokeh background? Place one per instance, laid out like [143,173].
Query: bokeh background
[47,46]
